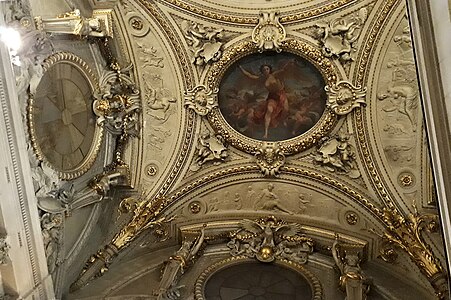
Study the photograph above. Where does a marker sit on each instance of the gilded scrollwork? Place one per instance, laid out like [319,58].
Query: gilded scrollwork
[338,37]
[205,42]
[406,233]
[269,33]
[146,214]
[118,103]
[117,113]
[269,157]
[268,239]
[201,99]
[344,97]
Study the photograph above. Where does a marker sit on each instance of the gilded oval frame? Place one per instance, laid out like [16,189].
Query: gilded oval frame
[313,281]
[90,157]
[290,146]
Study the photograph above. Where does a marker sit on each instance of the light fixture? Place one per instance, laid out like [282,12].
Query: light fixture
[11,38]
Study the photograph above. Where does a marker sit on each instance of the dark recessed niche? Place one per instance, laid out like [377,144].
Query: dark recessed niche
[257,281]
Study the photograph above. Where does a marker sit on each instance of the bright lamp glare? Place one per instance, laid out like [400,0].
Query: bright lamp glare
[11,38]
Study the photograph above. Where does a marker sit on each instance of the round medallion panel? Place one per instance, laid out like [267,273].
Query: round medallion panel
[62,125]
[272,96]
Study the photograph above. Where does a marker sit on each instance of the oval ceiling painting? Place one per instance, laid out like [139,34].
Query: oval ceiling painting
[272,96]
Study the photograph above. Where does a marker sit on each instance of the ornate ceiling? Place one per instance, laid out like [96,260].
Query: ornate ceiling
[318,164]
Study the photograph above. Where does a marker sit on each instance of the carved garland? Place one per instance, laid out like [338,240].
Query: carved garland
[296,145]
[203,278]
[85,165]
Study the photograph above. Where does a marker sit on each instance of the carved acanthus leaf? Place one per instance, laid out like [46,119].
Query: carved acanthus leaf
[269,33]
[201,100]
[406,233]
[338,37]
[204,42]
[270,158]
[344,97]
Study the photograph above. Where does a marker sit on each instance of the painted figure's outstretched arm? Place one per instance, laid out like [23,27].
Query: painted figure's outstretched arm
[248,74]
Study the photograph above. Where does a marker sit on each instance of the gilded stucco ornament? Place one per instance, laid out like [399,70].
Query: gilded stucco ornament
[117,104]
[352,280]
[146,214]
[52,236]
[338,37]
[176,265]
[210,148]
[203,41]
[269,157]
[344,97]
[268,239]
[336,154]
[201,99]
[406,233]
[269,33]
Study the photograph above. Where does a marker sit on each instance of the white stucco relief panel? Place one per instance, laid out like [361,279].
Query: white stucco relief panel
[161,95]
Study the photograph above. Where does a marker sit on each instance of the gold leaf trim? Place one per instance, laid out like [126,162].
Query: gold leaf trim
[88,161]
[298,16]
[288,147]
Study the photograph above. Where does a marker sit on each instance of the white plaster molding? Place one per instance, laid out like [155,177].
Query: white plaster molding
[436,103]
[18,207]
